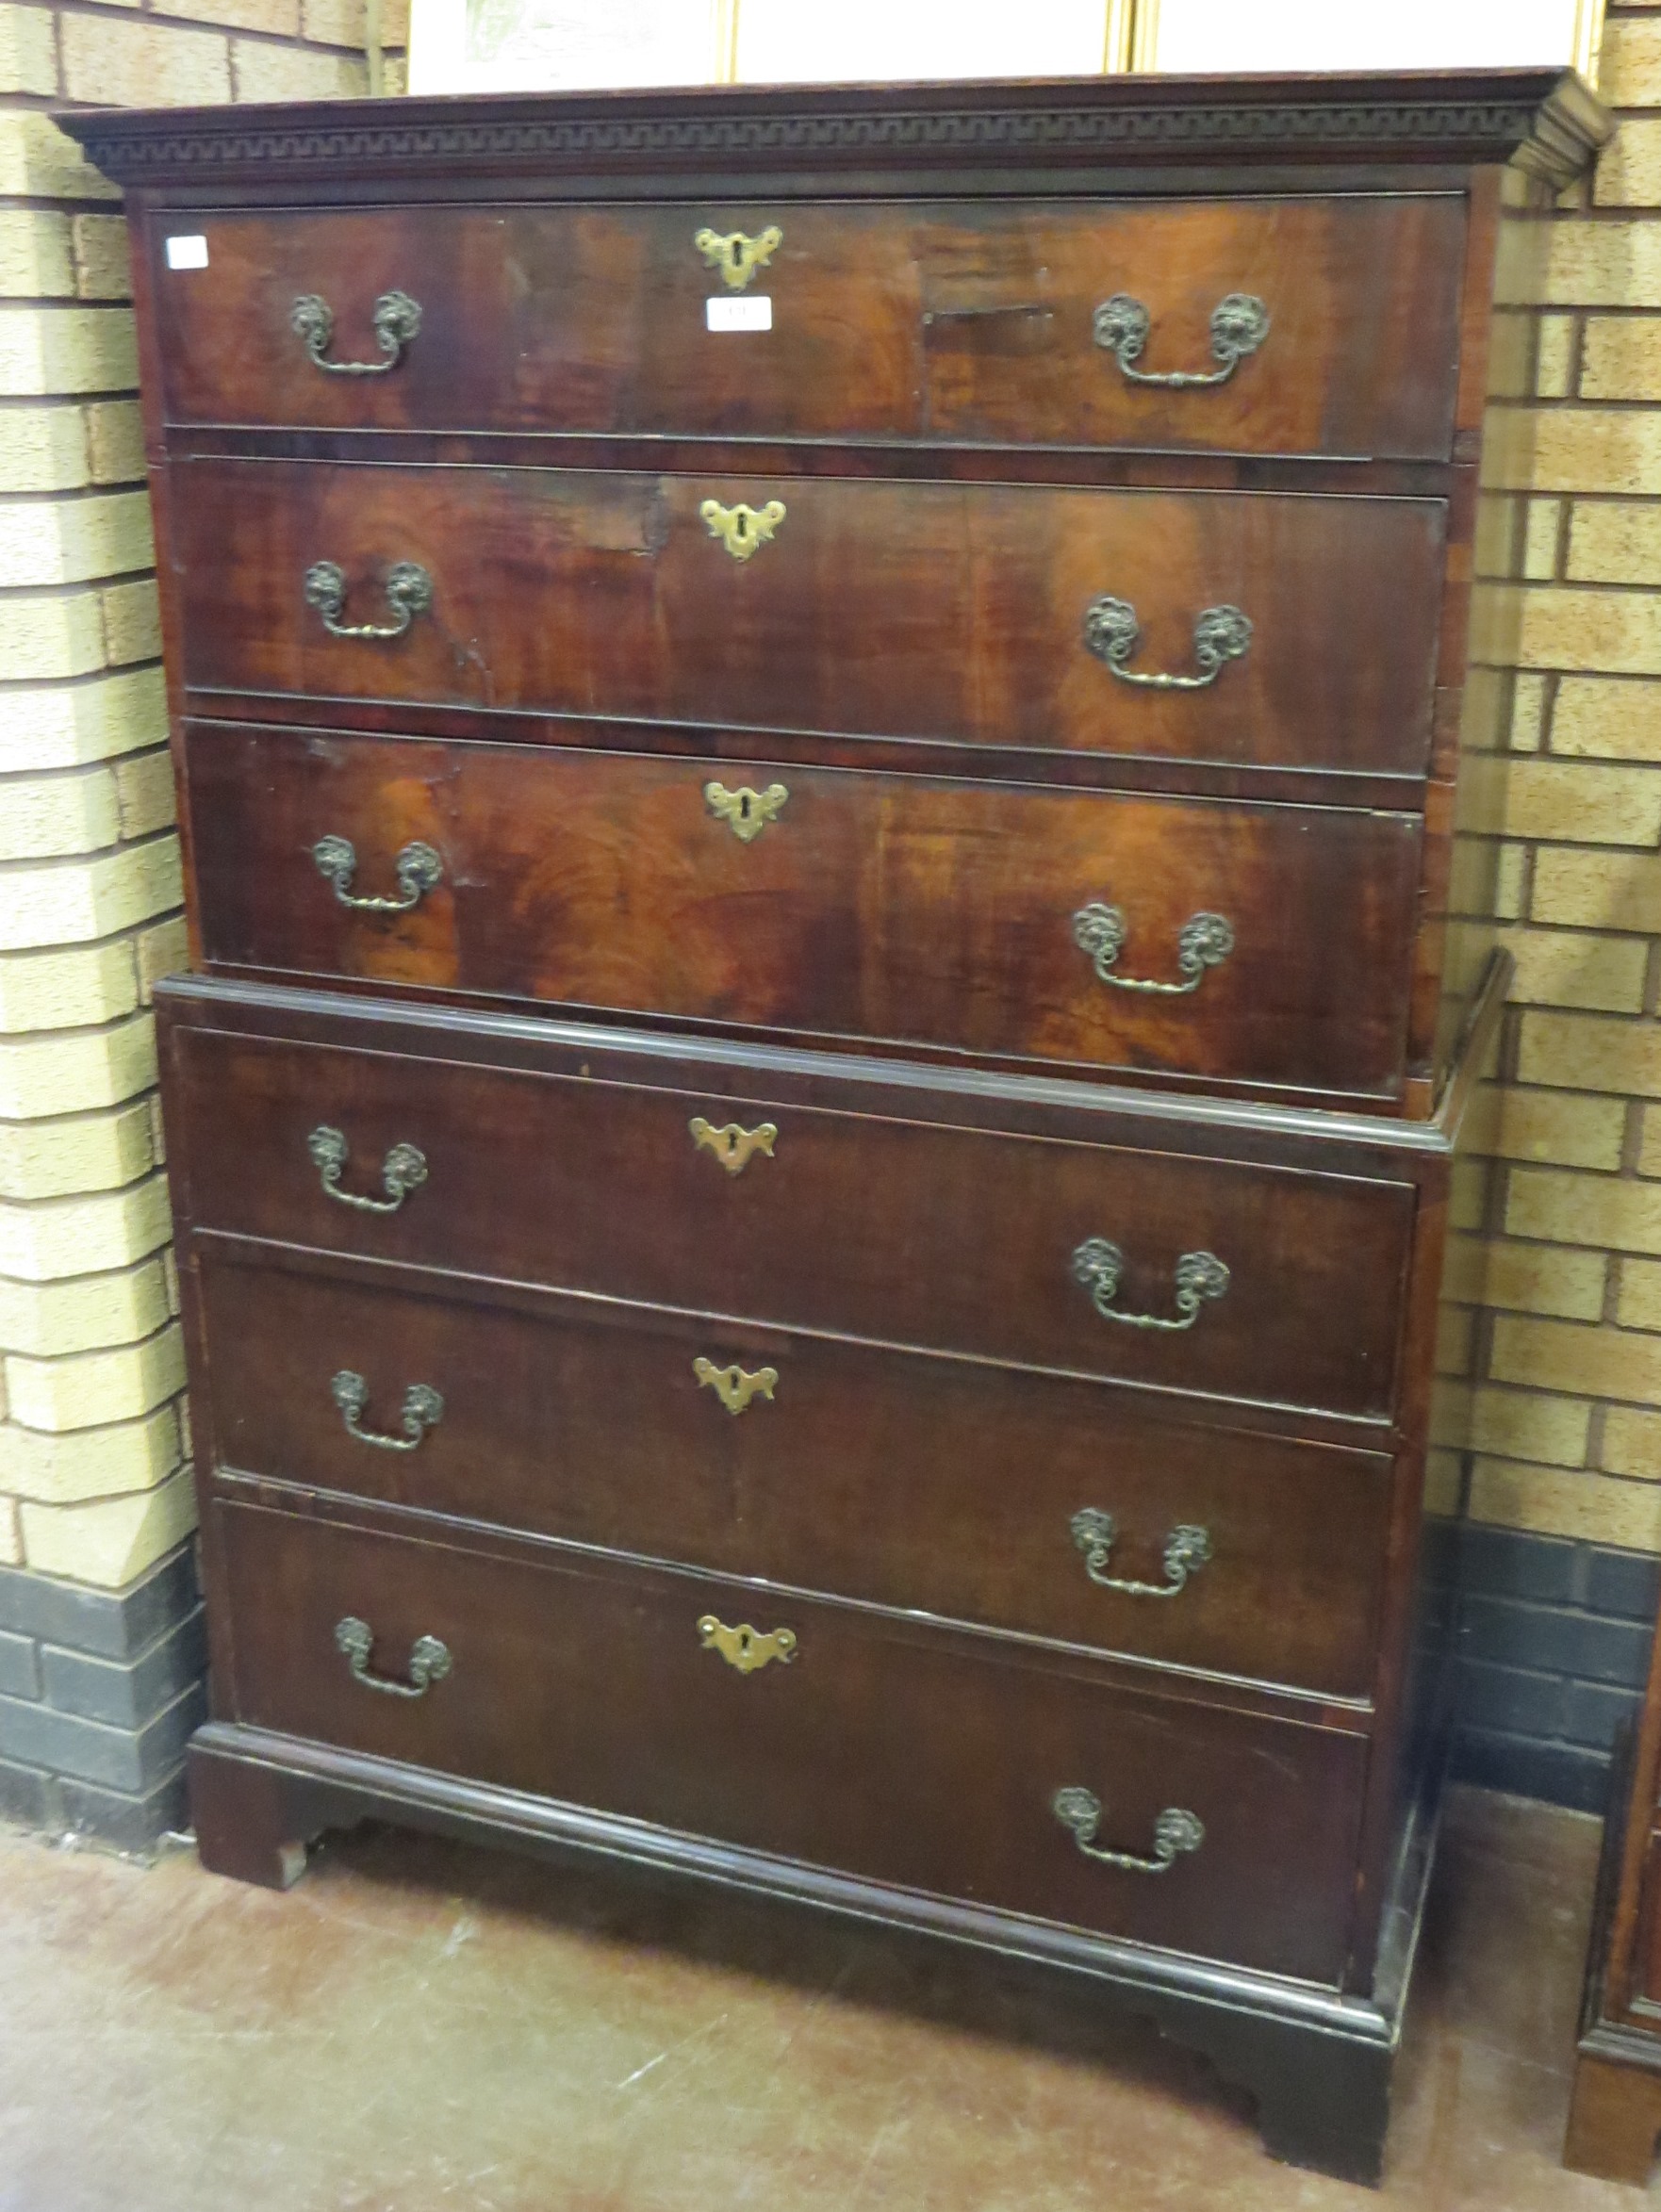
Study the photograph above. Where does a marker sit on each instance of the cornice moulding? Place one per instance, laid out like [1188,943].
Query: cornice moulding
[1544,121]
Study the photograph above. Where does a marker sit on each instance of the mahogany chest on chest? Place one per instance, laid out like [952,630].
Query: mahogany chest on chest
[816,735]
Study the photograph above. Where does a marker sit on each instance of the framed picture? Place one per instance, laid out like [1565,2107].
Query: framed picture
[573,45]
[784,42]
[1240,36]
[567,45]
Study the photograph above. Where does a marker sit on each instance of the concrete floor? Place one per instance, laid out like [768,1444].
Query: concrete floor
[419,2026]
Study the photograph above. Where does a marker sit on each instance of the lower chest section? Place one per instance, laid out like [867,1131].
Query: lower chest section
[1004,1502]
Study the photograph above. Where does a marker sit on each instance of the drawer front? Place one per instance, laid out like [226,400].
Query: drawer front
[900,1232]
[849,905]
[945,322]
[874,1749]
[1041,1506]
[957,612]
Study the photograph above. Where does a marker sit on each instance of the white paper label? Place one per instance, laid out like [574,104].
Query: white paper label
[752,314]
[189,252]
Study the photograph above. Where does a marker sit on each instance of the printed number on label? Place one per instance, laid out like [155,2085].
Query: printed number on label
[755,314]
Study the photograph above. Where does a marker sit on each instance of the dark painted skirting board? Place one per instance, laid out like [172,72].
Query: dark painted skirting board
[1553,1648]
[100,1691]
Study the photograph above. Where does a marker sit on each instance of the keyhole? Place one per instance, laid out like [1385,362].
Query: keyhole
[744,806]
[741,524]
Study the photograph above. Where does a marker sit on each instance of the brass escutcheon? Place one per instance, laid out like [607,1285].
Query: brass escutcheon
[746,1647]
[746,812]
[735,256]
[742,529]
[733,1387]
[732,1146]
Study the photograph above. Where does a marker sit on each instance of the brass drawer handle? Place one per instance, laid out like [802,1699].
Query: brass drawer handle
[1186,1550]
[1205,941]
[744,812]
[1112,633]
[418,868]
[742,529]
[746,1647]
[1174,1832]
[732,1146]
[735,1389]
[395,320]
[408,589]
[423,1409]
[403,1170]
[1098,1266]
[736,256]
[429,1659]
[1240,323]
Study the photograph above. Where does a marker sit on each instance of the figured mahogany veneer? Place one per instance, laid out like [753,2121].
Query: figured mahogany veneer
[934,322]
[948,612]
[847,1470]
[864,906]
[699,1289]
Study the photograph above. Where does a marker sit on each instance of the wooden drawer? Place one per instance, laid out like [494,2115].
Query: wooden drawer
[940,322]
[901,907]
[894,1231]
[948,612]
[879,1748]
[943,1486]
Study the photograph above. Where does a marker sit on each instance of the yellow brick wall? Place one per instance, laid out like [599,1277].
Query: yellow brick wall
[1552,1328]
[92,1421]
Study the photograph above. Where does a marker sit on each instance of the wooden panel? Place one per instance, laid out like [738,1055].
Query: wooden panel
[912,321]
[1644,1987]
[888,907]
[934,1486]
[907,609]
[894,1231]
[878,1749]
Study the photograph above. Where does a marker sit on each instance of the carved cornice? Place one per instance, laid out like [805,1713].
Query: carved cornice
[1545,120]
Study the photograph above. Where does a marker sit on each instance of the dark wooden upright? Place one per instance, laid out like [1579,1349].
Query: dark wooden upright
[817,734]
[1615,2114]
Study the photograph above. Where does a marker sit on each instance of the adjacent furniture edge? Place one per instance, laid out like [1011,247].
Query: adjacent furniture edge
[1615,2110]
[1545,120]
